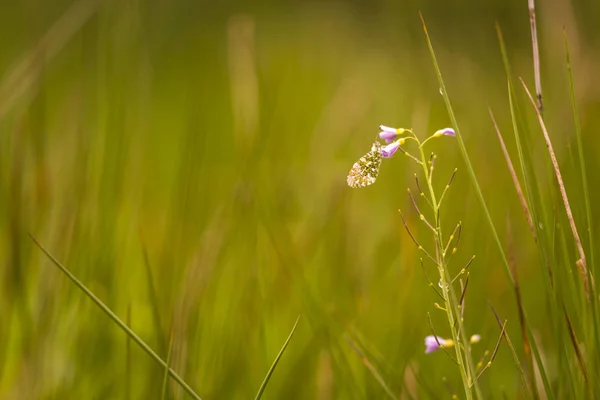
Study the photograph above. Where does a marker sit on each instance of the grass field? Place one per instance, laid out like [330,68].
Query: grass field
[187,162]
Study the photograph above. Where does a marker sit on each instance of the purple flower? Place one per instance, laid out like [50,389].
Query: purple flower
[445,132]
[389,150]
[389,134]
[431,344]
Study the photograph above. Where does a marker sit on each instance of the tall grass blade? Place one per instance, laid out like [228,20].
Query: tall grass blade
[586,195]
[544,221]
[117,320]
[540,364]
[578,136]
[465,155]
[515,117]
[529,365]
[514,355]
[166,375]
[581,262]
[514,177]
[523,150]
[276,361]
[575,343]
[536,55]
[540,235]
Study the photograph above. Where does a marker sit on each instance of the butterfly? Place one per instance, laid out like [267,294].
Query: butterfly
[364,172]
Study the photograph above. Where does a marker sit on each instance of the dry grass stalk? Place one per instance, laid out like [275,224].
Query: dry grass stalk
[581,263]
[513,174]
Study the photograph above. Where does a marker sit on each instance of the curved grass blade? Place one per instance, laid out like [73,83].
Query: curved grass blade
[276,361]
[540,364]
[117,321]
[588,207]
[578,352]
[581,263]
[536,55]
[465,154]
[521,145]
[586,192]
[515,357]
[515,179]
[539,215]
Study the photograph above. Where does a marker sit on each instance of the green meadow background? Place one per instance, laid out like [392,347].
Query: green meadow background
[187,161]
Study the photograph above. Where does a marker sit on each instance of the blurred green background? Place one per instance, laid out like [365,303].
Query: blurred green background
[187,161]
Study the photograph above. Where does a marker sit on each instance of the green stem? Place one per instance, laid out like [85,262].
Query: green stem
[463,354]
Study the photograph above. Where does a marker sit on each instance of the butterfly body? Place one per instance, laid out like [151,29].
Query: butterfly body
[364,172]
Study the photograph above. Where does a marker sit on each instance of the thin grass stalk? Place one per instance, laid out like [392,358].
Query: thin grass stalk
[529,188]
[581,263]
[265,381]
[522,151]
[539,216]
[529,200]
[589,322]
[536,55]
[578,136]
[515,115]
[495,352]
[465,154]
[586,192]
[282,243]
[513,175]
[521,310]
[540,364]
[117,320]
[578,354]
[514,356]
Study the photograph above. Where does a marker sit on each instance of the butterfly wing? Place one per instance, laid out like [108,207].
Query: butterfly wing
[364,172]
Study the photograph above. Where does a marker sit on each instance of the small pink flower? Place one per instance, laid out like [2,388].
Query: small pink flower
[445,132]
[431,344]
[391,149]
[389,134]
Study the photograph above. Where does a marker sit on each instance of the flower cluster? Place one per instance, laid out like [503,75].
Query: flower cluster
[392,137]
[364,173]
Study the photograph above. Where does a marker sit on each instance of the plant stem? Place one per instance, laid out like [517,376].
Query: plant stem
[459,336]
